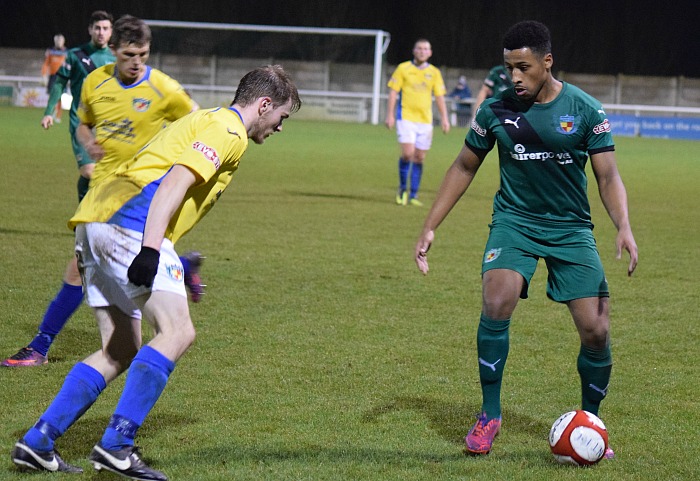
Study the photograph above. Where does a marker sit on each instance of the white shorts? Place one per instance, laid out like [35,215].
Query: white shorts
[105,252]
[414,133]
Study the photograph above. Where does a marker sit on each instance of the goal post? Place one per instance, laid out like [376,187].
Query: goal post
[381,43]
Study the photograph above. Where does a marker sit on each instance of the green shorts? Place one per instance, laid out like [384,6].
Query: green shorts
[573,262]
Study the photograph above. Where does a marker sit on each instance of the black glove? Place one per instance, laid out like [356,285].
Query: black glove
[144,267]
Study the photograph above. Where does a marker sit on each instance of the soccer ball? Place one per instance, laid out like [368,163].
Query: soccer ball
[578,438]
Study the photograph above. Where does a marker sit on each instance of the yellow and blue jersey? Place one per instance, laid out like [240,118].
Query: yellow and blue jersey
[209,142]
[126,117]
[416,87]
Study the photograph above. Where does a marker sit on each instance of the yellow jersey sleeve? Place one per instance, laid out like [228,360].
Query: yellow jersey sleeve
[439,89]
[177,102]
[396,80]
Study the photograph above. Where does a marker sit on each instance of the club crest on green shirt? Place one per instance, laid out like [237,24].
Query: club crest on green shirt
[567,125]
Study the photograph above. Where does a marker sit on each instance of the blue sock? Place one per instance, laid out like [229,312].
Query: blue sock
[185,265]
[81,388]
[145,381]
[404,165]
[416,175]
[66,302]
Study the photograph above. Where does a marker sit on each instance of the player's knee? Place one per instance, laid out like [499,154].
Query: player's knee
[120,356]
[595,335]
[497,312]
[180,337]
[72,274]
[501,292]
[188,335]
[498,306]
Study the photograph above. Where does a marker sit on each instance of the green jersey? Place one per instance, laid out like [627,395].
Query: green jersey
[543,150]
[80,61]
[498,79]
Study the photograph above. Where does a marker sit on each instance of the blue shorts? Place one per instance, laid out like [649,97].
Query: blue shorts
[573,263]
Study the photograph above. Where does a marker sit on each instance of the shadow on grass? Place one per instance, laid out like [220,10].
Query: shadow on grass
[448,420]
[35,233]
[452,421]
[77,443]
[322,195]
[275,198]
[232,455]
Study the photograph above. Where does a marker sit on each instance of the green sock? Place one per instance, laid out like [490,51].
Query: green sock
[594,366]
[492,347]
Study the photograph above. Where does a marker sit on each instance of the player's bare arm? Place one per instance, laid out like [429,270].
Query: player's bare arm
[166,201]
[614,196]
[390,109]
[55,96]
[483,94]
[457,179]
[444,117]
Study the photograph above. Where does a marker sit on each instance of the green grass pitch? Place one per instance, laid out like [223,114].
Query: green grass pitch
[323,354]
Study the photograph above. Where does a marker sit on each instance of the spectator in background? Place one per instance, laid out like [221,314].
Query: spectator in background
[460,94]
[53,59]
[496,81]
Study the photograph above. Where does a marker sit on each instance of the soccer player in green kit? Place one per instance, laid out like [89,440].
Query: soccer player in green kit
[80,61]
[496,81]
[545,129]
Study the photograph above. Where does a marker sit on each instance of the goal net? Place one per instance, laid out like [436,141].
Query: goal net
[338,71]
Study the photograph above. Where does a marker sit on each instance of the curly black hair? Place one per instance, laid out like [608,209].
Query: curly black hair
[528,34]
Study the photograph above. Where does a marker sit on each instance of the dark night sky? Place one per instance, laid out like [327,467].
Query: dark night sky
[611,37]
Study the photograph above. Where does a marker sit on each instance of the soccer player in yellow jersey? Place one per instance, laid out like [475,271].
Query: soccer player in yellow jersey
[126,103]
[410,108]
[125,230]
[123,105]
